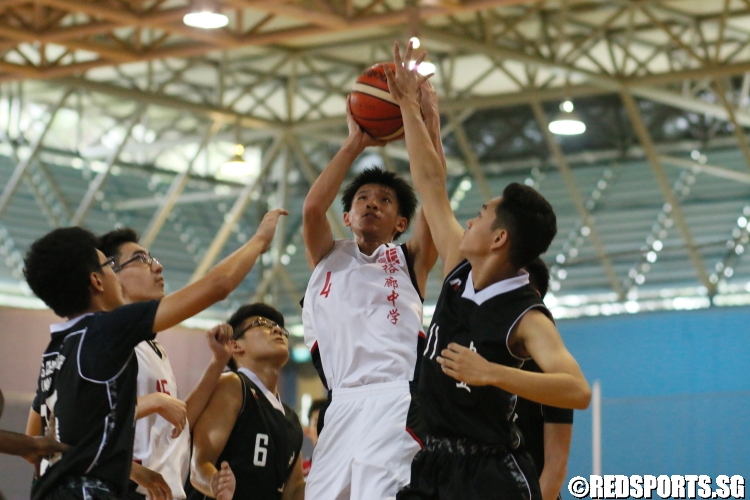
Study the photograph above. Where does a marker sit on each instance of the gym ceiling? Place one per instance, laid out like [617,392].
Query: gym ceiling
[116,112]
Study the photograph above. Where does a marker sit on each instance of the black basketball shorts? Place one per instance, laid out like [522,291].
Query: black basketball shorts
[457,470]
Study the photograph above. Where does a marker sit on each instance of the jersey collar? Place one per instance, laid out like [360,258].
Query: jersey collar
[494,289]
[61,327]
[272,398]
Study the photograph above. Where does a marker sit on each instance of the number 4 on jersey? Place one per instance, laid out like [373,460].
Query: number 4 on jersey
[327,285]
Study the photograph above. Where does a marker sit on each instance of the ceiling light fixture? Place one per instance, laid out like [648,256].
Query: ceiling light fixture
[236,166]
[205,19]
[567,122]
[425,68]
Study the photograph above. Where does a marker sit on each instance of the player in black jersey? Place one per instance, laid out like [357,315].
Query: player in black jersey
[486,322]
[547,430]
[246,437]
[88,374]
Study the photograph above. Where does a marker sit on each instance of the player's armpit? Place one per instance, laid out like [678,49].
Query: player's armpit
[213,429]
[557,438]
[294,487]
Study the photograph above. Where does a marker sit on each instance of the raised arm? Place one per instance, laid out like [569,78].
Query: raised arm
[218,337]
[316,229]
[421,245]
[212,432]
[220,281]
[427,170]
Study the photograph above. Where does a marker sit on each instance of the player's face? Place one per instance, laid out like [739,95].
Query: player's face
[112,289]
[374,213]
[263,340]
[140,280]
[479,237]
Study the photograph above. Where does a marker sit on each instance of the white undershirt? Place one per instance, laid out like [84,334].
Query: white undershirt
[272,398]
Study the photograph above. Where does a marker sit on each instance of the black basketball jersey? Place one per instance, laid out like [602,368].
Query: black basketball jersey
[262,448]
[531,419]
[87,395]
[481,321]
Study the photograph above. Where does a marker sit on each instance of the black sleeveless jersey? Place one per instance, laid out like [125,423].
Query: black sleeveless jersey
[481,321]
[87,395]
[262,448]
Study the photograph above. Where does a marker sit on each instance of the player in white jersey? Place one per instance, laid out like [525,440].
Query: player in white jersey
[162,432]
[362,316]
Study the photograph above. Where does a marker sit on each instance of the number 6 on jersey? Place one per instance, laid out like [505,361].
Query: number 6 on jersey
[259,457]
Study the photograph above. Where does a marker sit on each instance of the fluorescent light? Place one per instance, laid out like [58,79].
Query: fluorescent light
[567,122]
[567,125]
[425,68]
[415,43]
[236,167]
[206,20]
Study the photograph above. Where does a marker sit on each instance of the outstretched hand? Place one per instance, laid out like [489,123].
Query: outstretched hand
[428,101]
[404,83]
[43,447]
[267,227]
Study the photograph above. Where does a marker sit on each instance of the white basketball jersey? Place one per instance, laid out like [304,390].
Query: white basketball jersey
[364,316]
[153,446]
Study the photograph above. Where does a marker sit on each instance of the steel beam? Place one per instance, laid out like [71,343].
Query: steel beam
[712,170]
[18,173]
[175,190]
[661,178]
[184,199]
[733,113]
[231,218]
[95,185]
[470,158]
[311,174]
[575,194]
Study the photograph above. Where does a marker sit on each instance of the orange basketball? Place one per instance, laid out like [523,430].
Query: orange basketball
[373,107]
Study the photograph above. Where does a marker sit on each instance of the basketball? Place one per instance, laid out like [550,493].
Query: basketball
[373,107]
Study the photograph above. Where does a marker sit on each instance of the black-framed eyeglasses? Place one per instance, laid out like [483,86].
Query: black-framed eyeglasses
[261,322]
[147,259]
[109,262]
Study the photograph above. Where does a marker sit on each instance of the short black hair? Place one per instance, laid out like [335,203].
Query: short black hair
[529,220]
[248,311]
[57,268]
[316,405]
[111,242]
[538,276]
[407,199]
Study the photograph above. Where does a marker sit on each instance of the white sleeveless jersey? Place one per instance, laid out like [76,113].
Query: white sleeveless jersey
[363,315]
[153,446]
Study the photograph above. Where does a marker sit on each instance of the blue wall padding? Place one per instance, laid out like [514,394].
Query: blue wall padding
[675,391]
